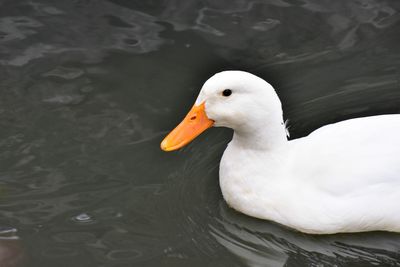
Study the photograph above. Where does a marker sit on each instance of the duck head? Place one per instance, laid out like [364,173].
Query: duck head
[233,99]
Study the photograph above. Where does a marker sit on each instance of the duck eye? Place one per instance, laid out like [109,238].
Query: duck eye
[227,92]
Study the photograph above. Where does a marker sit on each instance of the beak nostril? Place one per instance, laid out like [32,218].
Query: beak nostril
[193,124]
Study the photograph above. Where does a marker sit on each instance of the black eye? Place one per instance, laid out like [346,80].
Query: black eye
[227,92]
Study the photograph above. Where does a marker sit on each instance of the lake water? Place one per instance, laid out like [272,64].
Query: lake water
[89,88]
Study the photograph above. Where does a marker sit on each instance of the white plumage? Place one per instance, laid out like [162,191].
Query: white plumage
[343,177]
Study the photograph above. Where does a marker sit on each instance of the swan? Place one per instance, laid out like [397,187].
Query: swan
[343,177]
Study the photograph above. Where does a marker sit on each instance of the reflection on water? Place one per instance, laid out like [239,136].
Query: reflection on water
[88,89]
[257,243]
[11,252]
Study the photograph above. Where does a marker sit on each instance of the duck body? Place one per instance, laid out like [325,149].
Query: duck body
[343,177]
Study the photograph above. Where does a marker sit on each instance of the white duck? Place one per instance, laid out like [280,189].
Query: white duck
[343,177]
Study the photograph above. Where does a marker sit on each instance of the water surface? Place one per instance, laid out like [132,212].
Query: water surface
[89,88]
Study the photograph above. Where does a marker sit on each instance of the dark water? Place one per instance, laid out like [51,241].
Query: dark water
[88,88]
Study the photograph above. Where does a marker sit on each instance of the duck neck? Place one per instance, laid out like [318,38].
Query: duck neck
[267,137]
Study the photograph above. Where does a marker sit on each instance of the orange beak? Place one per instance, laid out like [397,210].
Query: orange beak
[195,122]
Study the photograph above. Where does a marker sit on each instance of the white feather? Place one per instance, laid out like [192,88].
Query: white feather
[343,177]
